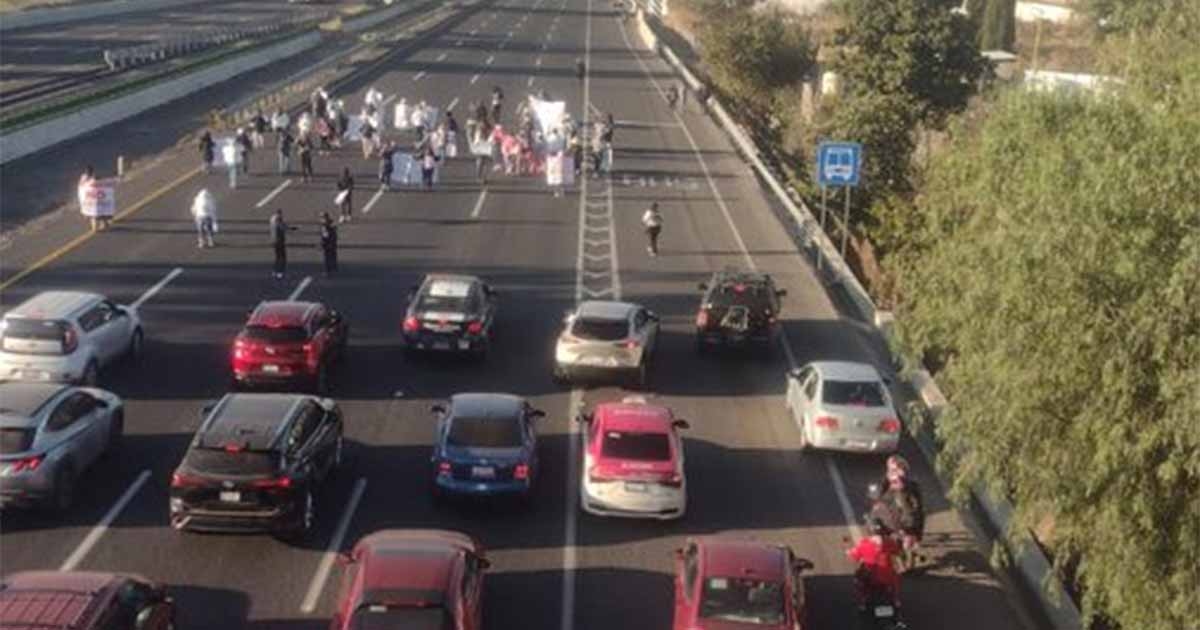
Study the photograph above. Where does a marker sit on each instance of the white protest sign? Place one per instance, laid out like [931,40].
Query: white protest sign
[229,154]
[98,198]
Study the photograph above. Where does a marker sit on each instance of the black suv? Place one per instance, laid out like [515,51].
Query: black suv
[738,309]
[256,464]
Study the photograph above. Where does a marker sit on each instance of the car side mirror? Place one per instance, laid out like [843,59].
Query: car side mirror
[438,409]
[344,558]
[681,424]
[335,317]
[537,413]
[703,286]
[484,563]
[803,564]
[584,418]
[794,373]
[152,613]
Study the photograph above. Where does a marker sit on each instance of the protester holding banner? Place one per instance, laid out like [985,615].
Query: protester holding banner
[86,193]
[345,196]
[555,167]
[451,141]
[204,213]
[401,118]
[206,152]
[280,122]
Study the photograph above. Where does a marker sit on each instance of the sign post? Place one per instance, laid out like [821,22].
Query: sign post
[838,164]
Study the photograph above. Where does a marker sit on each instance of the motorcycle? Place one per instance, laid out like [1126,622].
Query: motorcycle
[879,612]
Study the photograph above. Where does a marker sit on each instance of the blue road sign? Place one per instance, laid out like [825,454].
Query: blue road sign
[839,163]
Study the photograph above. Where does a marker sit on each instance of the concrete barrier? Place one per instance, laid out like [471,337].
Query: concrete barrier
[45,134]
[366,21]
[1033,567]
[14,20]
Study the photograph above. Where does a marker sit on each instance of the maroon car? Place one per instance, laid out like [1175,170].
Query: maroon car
[420,579]
[289,343]
[726,583]
[83,600]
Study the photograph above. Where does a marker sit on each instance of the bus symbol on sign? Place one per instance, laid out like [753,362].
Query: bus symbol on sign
[838,163]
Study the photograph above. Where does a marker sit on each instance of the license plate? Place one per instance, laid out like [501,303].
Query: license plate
[33,375]
[859,445]
[270,368]
[885,611]
[231,497]
[591,360]
[635,486]
[483,471]
[441,345]
[463,344]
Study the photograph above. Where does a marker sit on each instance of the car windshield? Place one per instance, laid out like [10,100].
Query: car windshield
[381,617]
[15,440]
[38,330]
[452,296]
[276,334]
[649,447]
[853,393]
[484,432]
[217,461]
[742,600]
[752,295]
[600,329]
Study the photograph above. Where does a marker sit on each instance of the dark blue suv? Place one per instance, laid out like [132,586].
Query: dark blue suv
[485,445]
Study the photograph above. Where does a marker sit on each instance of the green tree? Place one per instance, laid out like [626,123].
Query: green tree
[1057,262]
[753,54]
[998,26]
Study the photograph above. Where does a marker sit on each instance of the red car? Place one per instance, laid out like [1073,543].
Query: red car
[288,343]
[412,578]
[727,584]
[83,600]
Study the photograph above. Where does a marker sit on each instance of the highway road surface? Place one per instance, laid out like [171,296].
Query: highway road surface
[553,567]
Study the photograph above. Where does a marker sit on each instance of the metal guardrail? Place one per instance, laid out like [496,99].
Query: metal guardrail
[133,56]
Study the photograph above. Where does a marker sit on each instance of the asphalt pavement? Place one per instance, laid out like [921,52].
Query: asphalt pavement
[553,567]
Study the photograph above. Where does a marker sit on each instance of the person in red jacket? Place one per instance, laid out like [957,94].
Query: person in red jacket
[875,555]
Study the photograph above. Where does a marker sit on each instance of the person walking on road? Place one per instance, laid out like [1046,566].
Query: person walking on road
[653,222]
[258,133]
[207,151]
[329,243]
[280,122]
[345,196]
[245,146]
[580,69]
[386,166]
[279,230]
[204,213]
[306,163]
[428,166]
[285,152]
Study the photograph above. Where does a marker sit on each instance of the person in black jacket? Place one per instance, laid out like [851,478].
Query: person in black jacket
[279,230]
[329,243]
[245,146]
[345,186]
[285,152]
[207,150]
[306,162]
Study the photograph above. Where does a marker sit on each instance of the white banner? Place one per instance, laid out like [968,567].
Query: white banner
[354,129]
[228,155]
[554,169]
[98,198]
[404,171]
[402,117]
[547,114]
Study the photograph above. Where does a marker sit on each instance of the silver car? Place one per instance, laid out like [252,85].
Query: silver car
[67,337]
[601,338]
[49,435]
[843,406]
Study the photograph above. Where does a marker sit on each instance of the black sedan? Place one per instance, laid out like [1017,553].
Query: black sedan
[450,314]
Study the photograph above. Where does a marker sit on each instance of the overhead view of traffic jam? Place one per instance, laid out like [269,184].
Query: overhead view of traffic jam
[569,315]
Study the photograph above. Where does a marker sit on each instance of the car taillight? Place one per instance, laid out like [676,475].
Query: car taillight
[28,464]
[181,480]
[274,483]
[632,344]
[674,481]
[475,328]
[243,348]
[521,472]
[310,354]
[444,469]
[826,422]
[411,324]
[702,319]
[889,425]
[70,341]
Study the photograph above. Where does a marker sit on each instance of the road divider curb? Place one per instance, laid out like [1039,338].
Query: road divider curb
[1034,569]
[14,20]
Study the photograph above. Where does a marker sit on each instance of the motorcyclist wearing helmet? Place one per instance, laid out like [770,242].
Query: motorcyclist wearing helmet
[875,555]
[903,494]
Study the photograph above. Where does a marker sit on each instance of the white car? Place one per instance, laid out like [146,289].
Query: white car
[843,406]
[633,461]
[603,337]
[67,337]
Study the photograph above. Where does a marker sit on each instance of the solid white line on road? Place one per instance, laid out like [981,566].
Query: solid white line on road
[371,202]
[452,104]
[490,59]
[93,536]
[152,291]
[479,204]
[300,288]
[417,76]
[474,79]
[835,474]
[271,195]
[529,83]
[442,57]
[335,544]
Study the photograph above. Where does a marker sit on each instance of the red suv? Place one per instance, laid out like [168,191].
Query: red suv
[82,600]
[725,583]
[412,578]
[286,343]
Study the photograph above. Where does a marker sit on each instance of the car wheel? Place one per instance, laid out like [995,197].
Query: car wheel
[136,347]
[64,489]
[91,374]
[116,433]
[641,375]
[308,518]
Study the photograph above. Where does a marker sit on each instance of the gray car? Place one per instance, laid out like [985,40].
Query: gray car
[49,435]
[602,337]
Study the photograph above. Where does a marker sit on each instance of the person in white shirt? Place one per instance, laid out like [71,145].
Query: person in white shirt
[652,221]
[204,213]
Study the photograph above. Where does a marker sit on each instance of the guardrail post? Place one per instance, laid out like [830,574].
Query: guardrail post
[120,166]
